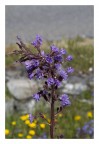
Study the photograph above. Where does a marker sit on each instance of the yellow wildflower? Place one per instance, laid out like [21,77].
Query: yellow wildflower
[32,132]
[89,114]
[44,115]
[28,136]
[42,125]
[48,120]
[7,131]
[77,118]
[24,117]
[35,121]
[32,125]
[60,115]
[27,122]
[20,135]
[13,123]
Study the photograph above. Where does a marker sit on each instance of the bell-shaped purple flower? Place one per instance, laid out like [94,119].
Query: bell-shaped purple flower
[36,97]
[31,64]
[62,51]
[37,42]
[63,74]
[58,66]
[57,82]
[50,81]
[58,58]
[39,74]
[69,58]
[43,53]
[64,100]
[30,75]
[54,48]
[49,59]
[31,118]
[70,70]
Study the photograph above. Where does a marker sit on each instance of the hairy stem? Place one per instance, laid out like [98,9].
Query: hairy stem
[52,116]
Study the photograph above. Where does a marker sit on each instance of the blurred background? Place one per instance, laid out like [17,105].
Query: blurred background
[69,27]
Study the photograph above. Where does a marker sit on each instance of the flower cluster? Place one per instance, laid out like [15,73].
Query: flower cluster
[46,66]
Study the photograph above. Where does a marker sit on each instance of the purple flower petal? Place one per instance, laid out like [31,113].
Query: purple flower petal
[65,100]
[50,81]
[70,70]
[49,59]
[63,74]
[36,97]
[37,42]
[62,51]
[31,118]
[69,58]
[54,48]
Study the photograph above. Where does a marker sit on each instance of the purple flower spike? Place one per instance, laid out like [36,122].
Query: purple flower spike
[31,118]
[37,42]
[69,58]
[65,100]
[36,97]
[70,70]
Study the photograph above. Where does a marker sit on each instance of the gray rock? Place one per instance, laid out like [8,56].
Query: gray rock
[22,88]
[76,79]
[9,107]
[13,106]
[25,106]
[12,74]
[75,85]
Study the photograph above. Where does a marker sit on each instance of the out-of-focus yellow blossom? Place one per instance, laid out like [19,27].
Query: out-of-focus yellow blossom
[27,122]
[32,125]
[48,120]
[44,116]
[89,114]
[42,125]
[28,136]
[20,135]
[24,117]
[7,131]
[31,132]
[60,115]
[77,118]
[35,121]
[13,123]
